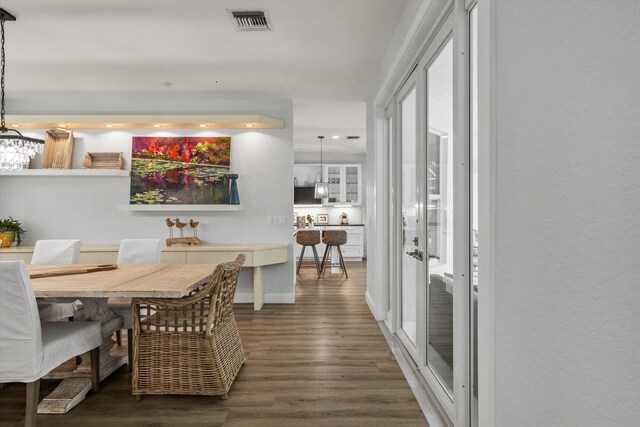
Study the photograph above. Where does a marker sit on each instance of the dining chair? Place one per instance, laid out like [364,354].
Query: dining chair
[307,238]
[133,251]
[29,348]
[189,345]
[333,238]
[56,252]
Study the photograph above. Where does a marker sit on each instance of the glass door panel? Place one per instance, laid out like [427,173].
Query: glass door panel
[352,185]
[410,269]
[334,180]
[440,219]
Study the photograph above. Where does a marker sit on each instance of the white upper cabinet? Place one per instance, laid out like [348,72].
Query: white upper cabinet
[345,184]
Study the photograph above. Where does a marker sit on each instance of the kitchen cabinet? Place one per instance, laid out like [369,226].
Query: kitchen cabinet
[345,184]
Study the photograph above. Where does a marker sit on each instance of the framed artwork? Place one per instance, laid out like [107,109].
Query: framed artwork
[180,170]
[322,219]
[295,219]
[301,221]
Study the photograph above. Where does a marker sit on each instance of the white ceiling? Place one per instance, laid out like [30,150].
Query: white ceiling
[322,54]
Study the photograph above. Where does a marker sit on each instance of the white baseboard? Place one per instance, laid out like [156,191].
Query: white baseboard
[247,297]
[370,303]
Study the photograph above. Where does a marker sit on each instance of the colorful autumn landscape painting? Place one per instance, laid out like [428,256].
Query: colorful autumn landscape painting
[180,170]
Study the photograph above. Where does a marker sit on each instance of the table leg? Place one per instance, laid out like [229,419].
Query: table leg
[73,389]
[258,288]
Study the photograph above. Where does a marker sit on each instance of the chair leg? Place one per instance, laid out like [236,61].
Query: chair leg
[33,396]
[315,256]
[300,260]
[324,259]
[119,337]
[344,267]
[130,348]
[95,369]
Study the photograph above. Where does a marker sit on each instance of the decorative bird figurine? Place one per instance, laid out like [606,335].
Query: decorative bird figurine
[170,224]
[180,225]
[194,225]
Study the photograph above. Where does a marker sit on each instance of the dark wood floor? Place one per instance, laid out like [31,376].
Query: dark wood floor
[319,362]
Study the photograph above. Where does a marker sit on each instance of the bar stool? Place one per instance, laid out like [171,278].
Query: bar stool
[308,238]
[334,238]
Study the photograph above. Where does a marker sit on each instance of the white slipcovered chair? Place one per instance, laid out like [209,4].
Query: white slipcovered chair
[133,251]
[56,252]
[29,348]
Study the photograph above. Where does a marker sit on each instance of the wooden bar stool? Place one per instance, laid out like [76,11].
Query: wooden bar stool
[308,238]
[334,238]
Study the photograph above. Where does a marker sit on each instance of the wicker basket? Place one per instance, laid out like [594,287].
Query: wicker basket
[58,149]
[103,160]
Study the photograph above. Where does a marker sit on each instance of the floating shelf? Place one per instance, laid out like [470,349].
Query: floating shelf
[179,208]
[114,122]
[102,173]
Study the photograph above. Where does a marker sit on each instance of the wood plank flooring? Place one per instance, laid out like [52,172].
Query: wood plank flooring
[319,362]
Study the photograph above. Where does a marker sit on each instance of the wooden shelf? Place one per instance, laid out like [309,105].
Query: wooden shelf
[101,173]
[179,208]
[166,121]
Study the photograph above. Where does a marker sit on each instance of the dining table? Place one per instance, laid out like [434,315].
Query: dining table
[94,288]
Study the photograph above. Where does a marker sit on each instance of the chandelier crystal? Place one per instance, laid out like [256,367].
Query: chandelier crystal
[15,150]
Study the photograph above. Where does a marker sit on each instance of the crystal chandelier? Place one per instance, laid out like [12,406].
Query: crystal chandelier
[15,149]
[322,188]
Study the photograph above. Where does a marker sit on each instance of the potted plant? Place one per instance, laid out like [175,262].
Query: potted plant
[309,221]
[10,230]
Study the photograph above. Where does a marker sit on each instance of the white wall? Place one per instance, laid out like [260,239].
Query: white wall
[86,208]
[567,220]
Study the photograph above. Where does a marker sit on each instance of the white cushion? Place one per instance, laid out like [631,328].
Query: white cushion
[29,350]
[122,307]
[139,251]
[56,252]
[134,251]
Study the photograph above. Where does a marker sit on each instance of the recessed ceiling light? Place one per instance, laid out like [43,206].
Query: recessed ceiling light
[156,125]
[62,125]
[109,125]
[15,126]
[249,125]
[203,125]
[335,137]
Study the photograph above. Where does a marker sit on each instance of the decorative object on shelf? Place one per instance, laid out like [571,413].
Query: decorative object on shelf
[343,218]
[170,224]
[194,225]
[322,219]
[103,160]
[189,241]
[180,170]
[180,225]
[309,221]
[322,188]
[15,150]
[234,197]
[10,230]
[295,181]
[58,149]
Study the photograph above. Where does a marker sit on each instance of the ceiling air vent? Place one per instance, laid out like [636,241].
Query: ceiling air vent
[353,138]
[250,20]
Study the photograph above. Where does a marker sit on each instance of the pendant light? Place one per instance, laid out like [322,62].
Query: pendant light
[15,149]
[322,188]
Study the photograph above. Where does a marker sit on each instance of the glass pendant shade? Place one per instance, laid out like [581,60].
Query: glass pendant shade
[322,190]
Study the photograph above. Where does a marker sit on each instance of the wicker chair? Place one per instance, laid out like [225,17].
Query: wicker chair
[188,345]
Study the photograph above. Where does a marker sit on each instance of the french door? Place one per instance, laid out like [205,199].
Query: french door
[427,207]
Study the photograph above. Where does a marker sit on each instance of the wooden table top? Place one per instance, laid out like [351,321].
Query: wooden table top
[128,281]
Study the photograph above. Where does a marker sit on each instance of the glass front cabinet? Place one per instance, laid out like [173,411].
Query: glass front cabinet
[345,184]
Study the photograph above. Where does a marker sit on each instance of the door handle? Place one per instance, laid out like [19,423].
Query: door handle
[419,255]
